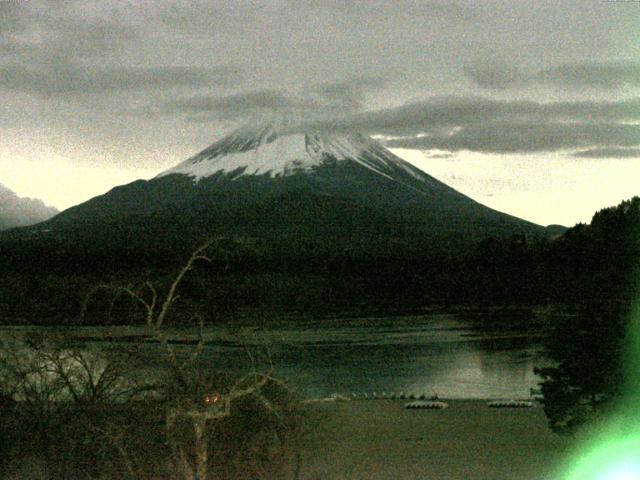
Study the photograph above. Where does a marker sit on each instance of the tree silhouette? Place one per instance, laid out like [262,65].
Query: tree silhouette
[587,345]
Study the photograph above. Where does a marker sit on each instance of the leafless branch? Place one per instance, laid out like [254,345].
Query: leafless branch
[200,346]
[116,442]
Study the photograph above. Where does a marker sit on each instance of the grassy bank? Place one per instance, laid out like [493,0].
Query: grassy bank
[468,441]
[345,440]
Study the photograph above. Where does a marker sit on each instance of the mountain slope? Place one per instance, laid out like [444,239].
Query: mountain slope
[301,193]
[16,211]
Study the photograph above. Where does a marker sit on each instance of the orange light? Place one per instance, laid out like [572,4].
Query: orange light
[208,399]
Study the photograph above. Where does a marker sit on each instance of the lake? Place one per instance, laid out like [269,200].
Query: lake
[449,355]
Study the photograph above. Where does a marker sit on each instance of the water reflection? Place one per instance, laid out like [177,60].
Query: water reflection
[447,355]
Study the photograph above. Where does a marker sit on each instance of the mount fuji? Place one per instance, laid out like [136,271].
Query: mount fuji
[304,191]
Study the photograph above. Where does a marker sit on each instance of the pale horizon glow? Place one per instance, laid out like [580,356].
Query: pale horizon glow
[542,188]
[61,183]
[546,189]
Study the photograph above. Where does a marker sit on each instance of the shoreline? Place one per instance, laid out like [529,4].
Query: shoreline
[468,441]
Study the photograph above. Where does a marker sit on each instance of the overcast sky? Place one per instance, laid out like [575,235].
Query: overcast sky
[531,107]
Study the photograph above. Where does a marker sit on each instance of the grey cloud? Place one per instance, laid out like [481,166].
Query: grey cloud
[305,58]
[446,113]
[448,123]
[13,17]
[76,47]
[424,11]
[194,17]
[346,94]
[495,76]
[596,75]
[609,153]
[320,100]
[462,11]
[416,117]
[15,48]
[441,155]
[479,124]
[17,211]
[90,37]
[74,78]
[60,29]
[238,106]
[205,17]
[73,47]
[599,75]
[74,55]
[14,22]
[526,137]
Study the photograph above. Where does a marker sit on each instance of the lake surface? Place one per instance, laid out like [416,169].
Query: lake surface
[453,356]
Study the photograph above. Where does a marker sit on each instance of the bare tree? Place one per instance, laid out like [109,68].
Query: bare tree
[192,407]
[120,416]
[58,391]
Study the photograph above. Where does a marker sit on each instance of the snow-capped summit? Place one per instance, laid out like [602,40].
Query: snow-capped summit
[277,151]
[294,188]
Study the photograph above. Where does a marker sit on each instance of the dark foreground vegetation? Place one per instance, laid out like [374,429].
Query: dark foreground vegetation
[588,345]
[66,415]
[71,412]
[112,423]
[48,283]
[588,380]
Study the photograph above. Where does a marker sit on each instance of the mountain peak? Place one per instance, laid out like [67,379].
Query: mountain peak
[321,191]
[281,149]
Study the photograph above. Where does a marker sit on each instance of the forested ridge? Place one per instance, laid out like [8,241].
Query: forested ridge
[588,263]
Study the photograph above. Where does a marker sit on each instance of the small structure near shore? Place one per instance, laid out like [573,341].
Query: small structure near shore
[427,405]
[510,404]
